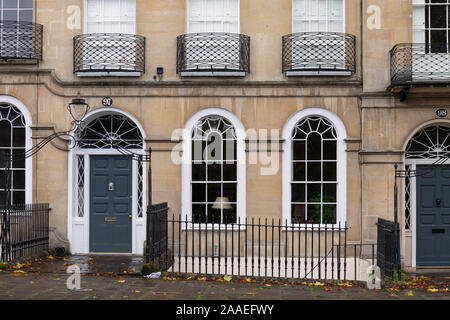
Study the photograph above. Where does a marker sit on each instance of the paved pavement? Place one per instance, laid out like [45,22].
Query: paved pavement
[46,280]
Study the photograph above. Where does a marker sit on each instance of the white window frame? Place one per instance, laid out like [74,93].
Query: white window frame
[28,143]
[188,5]
[309,20]
[341,172]
[186,168]
[106,73]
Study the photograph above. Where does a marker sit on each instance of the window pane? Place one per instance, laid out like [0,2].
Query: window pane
[229,215]
[18,154]
[229,150]
[214,215]
[438,41]
[298,213]
[199,213]
[19,137]
[438,16]
[229,191]
[314,171]
[26,4]
[229,172]
[314,213]
[314,192]
[199,172]
[18,197]
[329,171]
[329,214]
[5,134]
[329,150]
[298,192]
[198,192]
[299,150]
[314,147]
[198,146]
[10,4]
[26,15]
[214,172]
[214,191]
[19,179]
[299,171]
[329,192]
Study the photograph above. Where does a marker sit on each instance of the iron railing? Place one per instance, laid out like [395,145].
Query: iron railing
[221,52]
[261,248]
[157,248]
[101,52]
[419,63]
[387,247]
[20,40]
[24,230]
[319,51]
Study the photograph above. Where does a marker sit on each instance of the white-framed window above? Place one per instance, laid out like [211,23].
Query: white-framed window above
[314,169]
[110,16]
[16,10]
[318,16]
[213,16]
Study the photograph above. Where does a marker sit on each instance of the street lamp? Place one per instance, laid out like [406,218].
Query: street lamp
[78,109]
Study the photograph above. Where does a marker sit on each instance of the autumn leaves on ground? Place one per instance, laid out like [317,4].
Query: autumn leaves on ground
[29,280]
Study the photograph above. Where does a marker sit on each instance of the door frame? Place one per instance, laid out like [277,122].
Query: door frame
[413,209]
[78,227]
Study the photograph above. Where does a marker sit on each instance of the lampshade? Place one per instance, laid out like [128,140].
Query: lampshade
[222,203]
[78,108]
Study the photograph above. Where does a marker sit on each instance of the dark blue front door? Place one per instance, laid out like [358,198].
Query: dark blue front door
[433,216]
[110,203]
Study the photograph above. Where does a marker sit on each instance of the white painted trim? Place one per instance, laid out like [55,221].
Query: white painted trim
[28,143]
[318,73]
[186,167]
[341,162]
[138,238]
[87,74]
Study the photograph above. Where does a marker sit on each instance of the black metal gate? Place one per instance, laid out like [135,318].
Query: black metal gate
[387,247]
[157,238]
[24,230]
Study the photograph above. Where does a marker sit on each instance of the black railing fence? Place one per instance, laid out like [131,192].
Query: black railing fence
[418,62]
[387,247]
[213,52]
[24,230]
[20,40]
[157,237]
[319,51]
[102,52]
[261,248]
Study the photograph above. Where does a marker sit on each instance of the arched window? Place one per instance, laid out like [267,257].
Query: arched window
[12,144]
[430,143]
[214,168]
[314,169]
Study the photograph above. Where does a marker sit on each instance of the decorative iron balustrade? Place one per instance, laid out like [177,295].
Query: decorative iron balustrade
[420,63]
[206,52]
[101,52]
[316,52]
[20,40]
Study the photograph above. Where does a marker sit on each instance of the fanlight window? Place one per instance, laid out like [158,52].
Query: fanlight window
[430,143]
[314,172]
[111,132]
[12,144]
[214,171]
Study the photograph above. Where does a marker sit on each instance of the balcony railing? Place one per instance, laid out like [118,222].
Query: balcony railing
[109,53]
[323,53]
[213,54]
[20,41]
[419,63]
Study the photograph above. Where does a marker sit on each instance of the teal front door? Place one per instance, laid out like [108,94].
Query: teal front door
[110,204]
[433,216]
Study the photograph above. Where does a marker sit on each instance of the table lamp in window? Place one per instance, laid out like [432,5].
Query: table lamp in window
[222,203]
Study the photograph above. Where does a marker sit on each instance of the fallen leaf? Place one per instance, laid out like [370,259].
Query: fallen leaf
[121,281]
[201,279]
[410,294]
[227,278]
[433,290]
[137,291]
[19,271]
[318,284]
[268,285]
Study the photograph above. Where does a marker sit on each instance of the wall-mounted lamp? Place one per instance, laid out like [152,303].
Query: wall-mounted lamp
[78,108]
[159,72]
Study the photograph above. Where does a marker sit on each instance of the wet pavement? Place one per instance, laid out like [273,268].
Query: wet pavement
[108,278]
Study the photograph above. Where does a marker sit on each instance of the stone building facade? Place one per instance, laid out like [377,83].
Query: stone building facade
[340,90]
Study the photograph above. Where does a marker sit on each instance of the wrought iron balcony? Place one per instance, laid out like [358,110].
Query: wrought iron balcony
[20,41]
[213,54]
[108,54]
[322,53]
[420,64]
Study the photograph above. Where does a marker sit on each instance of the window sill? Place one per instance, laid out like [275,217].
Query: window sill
[213,74]
[85,74]
[318,73]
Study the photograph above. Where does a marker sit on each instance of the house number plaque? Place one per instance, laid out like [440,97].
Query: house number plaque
[442,113]
[107,102]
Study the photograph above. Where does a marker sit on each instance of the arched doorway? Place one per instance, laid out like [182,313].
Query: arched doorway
[107,207]
[428,195]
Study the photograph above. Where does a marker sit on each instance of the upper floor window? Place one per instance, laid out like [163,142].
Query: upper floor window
[213,16]
[111,16]
[16,10]
[431,24]
[318,16]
